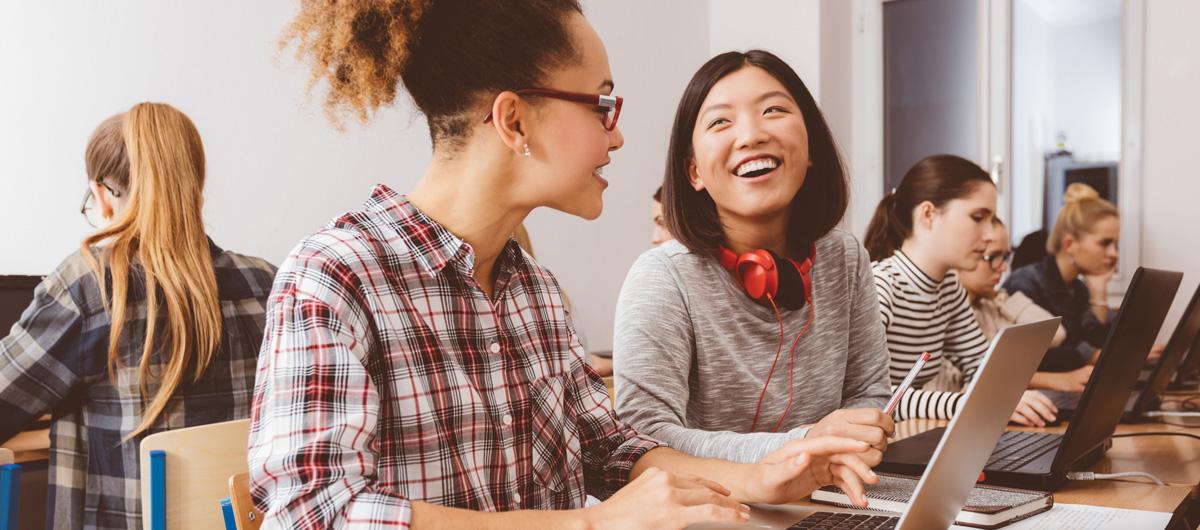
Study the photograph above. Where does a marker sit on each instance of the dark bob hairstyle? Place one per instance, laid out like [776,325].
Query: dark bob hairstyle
[817,208]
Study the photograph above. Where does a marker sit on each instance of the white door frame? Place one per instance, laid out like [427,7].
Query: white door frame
[995,22]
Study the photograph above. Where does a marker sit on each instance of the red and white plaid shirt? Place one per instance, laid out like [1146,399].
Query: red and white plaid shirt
[387,376]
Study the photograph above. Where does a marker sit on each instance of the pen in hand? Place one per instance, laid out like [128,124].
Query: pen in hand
[907,382]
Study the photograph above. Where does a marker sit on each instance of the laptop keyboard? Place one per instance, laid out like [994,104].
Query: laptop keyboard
[1016,449]
[845,521]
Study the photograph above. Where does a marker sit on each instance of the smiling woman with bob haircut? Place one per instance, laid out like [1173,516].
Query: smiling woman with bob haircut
[758,324]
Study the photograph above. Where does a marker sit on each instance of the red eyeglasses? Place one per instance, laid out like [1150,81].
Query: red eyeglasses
[609,105]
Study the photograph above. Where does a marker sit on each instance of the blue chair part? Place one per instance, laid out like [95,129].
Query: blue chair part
[158,490]
[10,490]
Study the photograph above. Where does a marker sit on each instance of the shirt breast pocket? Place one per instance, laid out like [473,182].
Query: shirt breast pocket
[556,446]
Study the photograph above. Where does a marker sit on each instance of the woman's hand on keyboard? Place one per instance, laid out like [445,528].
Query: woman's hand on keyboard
[793,471]
[1034,410]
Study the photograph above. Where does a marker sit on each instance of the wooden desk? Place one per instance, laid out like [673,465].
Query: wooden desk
[1174,459]
[30,446]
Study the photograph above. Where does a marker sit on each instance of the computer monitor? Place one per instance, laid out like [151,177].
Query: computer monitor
[1063,171]
[16,292]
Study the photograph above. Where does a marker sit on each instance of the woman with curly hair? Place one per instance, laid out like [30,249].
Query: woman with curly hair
[420,370]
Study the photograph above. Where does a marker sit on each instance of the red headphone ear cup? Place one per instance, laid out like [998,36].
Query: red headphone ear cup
[791,284]
[759,275]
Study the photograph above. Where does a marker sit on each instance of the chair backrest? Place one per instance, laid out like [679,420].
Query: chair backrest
[245,515]
[10,488]
[185,474]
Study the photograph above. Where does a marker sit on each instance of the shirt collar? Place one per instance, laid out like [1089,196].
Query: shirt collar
[429,242]
[433,246]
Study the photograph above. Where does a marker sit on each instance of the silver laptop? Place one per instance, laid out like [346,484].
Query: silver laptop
[960,456]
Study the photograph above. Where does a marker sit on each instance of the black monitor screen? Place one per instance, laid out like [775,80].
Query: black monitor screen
[1098,178]
[16,292]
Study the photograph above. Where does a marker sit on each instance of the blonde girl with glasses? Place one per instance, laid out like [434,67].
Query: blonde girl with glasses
[150,326]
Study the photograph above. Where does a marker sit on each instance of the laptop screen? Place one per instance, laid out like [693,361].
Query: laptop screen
[16,292]
[1129,341]
[1181,340]
[1190,368]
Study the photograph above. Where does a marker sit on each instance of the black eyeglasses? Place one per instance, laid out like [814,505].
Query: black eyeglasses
[996,260]
[610,106]
[89,198]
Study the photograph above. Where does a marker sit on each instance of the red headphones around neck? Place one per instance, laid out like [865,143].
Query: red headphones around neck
[774,281]
[766,276]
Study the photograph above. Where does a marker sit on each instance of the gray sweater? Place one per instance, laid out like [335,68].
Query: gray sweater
[691,351]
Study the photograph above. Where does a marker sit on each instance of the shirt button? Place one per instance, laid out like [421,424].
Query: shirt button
[495,347]
[507,419]
[517,498]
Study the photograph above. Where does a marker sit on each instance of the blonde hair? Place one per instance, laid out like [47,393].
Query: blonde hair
[161,234]
[1082,209]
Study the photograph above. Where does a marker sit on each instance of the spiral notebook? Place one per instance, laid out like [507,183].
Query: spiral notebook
[986,506]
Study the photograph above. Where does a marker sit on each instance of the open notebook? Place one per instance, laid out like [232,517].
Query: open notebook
[986,506]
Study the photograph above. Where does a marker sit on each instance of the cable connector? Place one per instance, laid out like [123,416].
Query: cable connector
[1088,475]
[1170,414]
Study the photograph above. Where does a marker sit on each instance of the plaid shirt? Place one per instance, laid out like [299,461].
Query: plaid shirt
[387,376]
[56,360]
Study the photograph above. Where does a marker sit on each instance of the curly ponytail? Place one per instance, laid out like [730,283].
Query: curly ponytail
[448,54]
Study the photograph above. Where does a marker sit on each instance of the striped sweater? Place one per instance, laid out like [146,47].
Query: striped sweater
[921,314]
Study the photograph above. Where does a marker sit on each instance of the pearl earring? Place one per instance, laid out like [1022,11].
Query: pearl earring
[527,151]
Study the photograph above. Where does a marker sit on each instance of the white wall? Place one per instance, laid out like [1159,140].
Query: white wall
[1086,60]
[1032,115]
[1066,78]
[790,29]
[1171,181]
[276,169]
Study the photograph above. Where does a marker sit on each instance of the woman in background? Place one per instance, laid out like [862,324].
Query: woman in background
[1072,280]
[937,220]
[149,326]
[996,309]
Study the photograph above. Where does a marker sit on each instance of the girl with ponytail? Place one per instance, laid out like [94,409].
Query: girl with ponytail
[1072,281]
[937,220]
[148,327]
[420,370]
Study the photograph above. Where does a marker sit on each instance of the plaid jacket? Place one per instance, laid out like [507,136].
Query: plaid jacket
[55,361]
[388,376]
